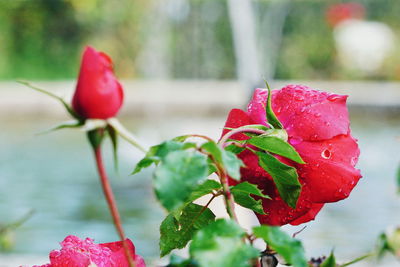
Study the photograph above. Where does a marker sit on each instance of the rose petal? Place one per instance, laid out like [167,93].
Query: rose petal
[309,216]
[117,257]
[311,114]
[236,119]
[257,106]
[329,170]
[278,212]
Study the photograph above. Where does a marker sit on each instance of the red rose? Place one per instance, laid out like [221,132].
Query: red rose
[75,252]
[317,124]
[98,94]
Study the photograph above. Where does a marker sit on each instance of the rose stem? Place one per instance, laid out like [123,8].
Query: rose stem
[112,205]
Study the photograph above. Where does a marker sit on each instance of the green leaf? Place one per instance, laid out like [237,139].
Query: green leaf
[241,194]
[220,244]
[227,159]
[285,177]
[329,262]
[159,152]
[176,233]
[177,261]
[276,146]
[206,188]
[181,138]
[234,149]
[289,248]
[178,175]
[271,117]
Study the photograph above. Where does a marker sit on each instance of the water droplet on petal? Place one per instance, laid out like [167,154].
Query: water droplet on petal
[326,154]
[317,115]
[299,98]
[295,140]
[334,98]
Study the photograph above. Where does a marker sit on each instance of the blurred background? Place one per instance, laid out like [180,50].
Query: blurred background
[184,64]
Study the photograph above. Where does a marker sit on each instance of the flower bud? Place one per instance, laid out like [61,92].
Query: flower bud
[98,93]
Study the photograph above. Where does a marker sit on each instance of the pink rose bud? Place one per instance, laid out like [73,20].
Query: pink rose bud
[98,94]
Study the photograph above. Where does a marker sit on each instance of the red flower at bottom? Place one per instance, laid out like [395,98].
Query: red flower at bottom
[75,252]
[317,125]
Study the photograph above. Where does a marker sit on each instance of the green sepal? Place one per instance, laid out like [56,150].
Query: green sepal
[271,117]
[62,101]
[289,248]
[124,133]
[95,137]
[276,146]
[285,177]
[221,244]
[242,194]
[176,233]
[114,141]
[63,125]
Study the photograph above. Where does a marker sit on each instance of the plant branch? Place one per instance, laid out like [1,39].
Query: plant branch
[112,205]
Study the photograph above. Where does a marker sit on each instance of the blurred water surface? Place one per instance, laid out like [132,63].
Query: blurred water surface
[54,174]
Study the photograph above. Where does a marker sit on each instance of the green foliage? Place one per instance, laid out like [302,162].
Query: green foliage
[329,262]
[284,176]
[289,248]
[398,180]
[158,152]
[276,146]
[176,261]
[114,141]
[221,244]
[179,173]
[225,158]
[242,195]
[177,232]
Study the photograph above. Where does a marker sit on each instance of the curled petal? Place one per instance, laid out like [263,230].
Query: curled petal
[236,119]
[257,106]
[278,212]
[311,114]
[309,216]
[329,169]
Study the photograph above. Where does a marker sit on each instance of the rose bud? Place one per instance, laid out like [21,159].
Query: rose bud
[98,94]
